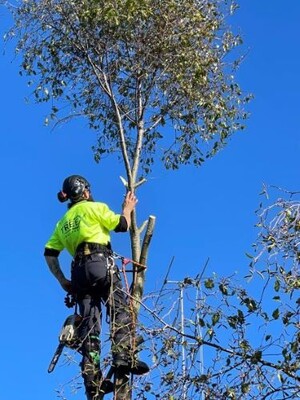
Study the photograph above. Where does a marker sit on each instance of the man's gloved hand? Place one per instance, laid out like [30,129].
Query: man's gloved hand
[70,301]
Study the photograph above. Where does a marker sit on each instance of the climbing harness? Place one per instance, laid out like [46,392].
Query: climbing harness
[68,336]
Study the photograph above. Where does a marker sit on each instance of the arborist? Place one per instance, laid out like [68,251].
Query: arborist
[84,231]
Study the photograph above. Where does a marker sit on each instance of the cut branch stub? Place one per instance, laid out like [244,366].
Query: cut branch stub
[139,273]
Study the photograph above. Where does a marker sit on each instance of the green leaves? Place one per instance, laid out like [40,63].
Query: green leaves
[133,67]
[235,321]
[275,313]
[223,289]
[256,357]
[209,283]
[215,318]
[250,303]
[245,387]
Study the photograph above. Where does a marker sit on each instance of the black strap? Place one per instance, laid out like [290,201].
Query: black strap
[86,248]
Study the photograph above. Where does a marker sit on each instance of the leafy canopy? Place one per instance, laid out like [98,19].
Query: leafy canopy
[133,67]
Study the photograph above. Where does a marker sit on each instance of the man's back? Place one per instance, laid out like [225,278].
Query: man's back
[85,221]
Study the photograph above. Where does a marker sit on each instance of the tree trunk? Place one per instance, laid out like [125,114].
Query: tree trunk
[122,384]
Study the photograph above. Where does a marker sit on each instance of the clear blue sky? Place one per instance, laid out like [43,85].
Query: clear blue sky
[201,213]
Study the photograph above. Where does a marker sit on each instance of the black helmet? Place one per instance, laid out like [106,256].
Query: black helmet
[73,188]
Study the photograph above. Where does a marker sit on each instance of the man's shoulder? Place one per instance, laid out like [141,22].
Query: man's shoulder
[96,204]
[93,205]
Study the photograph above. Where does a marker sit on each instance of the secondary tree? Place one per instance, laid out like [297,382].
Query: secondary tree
[233,337]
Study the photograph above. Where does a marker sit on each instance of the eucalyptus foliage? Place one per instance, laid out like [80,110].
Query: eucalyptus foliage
[234,338]
[153,78]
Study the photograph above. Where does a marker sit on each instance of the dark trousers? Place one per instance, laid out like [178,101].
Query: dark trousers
[95,280]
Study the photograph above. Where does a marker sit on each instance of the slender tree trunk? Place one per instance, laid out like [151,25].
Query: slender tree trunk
[122,386]
[139,252]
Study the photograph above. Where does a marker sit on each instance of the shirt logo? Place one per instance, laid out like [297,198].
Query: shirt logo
[71,225]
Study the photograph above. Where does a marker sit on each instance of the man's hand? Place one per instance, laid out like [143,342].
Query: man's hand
[70,301]
[129,202]
[53,264]
[128,206]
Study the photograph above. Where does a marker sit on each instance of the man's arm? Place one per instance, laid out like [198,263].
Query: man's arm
[54,266]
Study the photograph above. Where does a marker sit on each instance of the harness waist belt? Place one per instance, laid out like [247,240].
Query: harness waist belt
[86,248]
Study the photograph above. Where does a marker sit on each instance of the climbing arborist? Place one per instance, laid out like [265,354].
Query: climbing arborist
[84,231]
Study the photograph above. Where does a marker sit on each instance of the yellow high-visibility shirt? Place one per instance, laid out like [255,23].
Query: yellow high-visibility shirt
[85,221]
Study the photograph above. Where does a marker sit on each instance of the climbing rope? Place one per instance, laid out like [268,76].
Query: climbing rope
[126,261]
